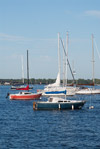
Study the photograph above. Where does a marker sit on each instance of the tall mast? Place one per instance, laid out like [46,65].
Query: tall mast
[27,69]
[66,57]
[22,69]
[93,59]
[67,60]
[59,54]
[64,68]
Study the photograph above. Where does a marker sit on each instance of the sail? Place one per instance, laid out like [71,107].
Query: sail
[57,83]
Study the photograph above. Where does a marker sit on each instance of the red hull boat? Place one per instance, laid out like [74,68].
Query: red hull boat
[25,96]
[23,88]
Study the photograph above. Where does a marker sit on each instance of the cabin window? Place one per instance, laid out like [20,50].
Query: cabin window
[27,93]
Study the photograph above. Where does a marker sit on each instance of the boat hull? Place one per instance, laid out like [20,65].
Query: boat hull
[54,93]
[60,92]
[56,106]
[24,97]
[88,91]
[20,88]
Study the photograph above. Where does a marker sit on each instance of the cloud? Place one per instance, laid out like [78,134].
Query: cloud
[95,13]
[6,37]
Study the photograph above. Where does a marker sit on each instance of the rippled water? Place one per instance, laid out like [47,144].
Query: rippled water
[23,128]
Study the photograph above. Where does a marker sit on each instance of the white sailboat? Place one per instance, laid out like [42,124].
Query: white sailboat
[56,89]
[88,91]
[70,89]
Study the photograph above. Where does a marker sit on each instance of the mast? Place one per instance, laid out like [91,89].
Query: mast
[93,59]
[64,67]
[27,69]
[22,70]
[67,61]
[59,65]
[66,58]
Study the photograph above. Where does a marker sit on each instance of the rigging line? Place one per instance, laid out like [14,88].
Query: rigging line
[67,60]
[97,49]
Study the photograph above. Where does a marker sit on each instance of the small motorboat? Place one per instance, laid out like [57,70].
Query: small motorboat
[25,96]
[55,103]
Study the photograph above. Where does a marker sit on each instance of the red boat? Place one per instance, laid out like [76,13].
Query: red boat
[25,96]
[23,88]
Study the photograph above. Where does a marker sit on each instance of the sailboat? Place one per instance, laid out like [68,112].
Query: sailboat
[89,91]
[55,89]
[25,95]
[71,90]
[58,103]
[22,85]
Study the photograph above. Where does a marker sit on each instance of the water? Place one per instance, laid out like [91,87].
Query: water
[23,128]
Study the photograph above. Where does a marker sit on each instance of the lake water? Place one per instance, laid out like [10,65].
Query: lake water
[23,128]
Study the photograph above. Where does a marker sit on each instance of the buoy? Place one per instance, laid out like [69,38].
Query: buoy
[72,107]
[91,107]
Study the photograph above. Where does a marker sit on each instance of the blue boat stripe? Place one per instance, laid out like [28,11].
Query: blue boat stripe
[56,92]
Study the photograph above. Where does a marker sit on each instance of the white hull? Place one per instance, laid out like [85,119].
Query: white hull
[88,91]
[70,91]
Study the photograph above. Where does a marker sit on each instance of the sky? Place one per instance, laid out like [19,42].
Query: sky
[34,25]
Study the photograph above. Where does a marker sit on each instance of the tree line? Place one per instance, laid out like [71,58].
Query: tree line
[47,81]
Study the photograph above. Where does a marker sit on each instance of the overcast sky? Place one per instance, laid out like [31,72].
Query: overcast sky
[34,25]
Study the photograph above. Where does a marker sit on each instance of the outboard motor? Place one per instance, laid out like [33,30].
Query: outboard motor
[7,95]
